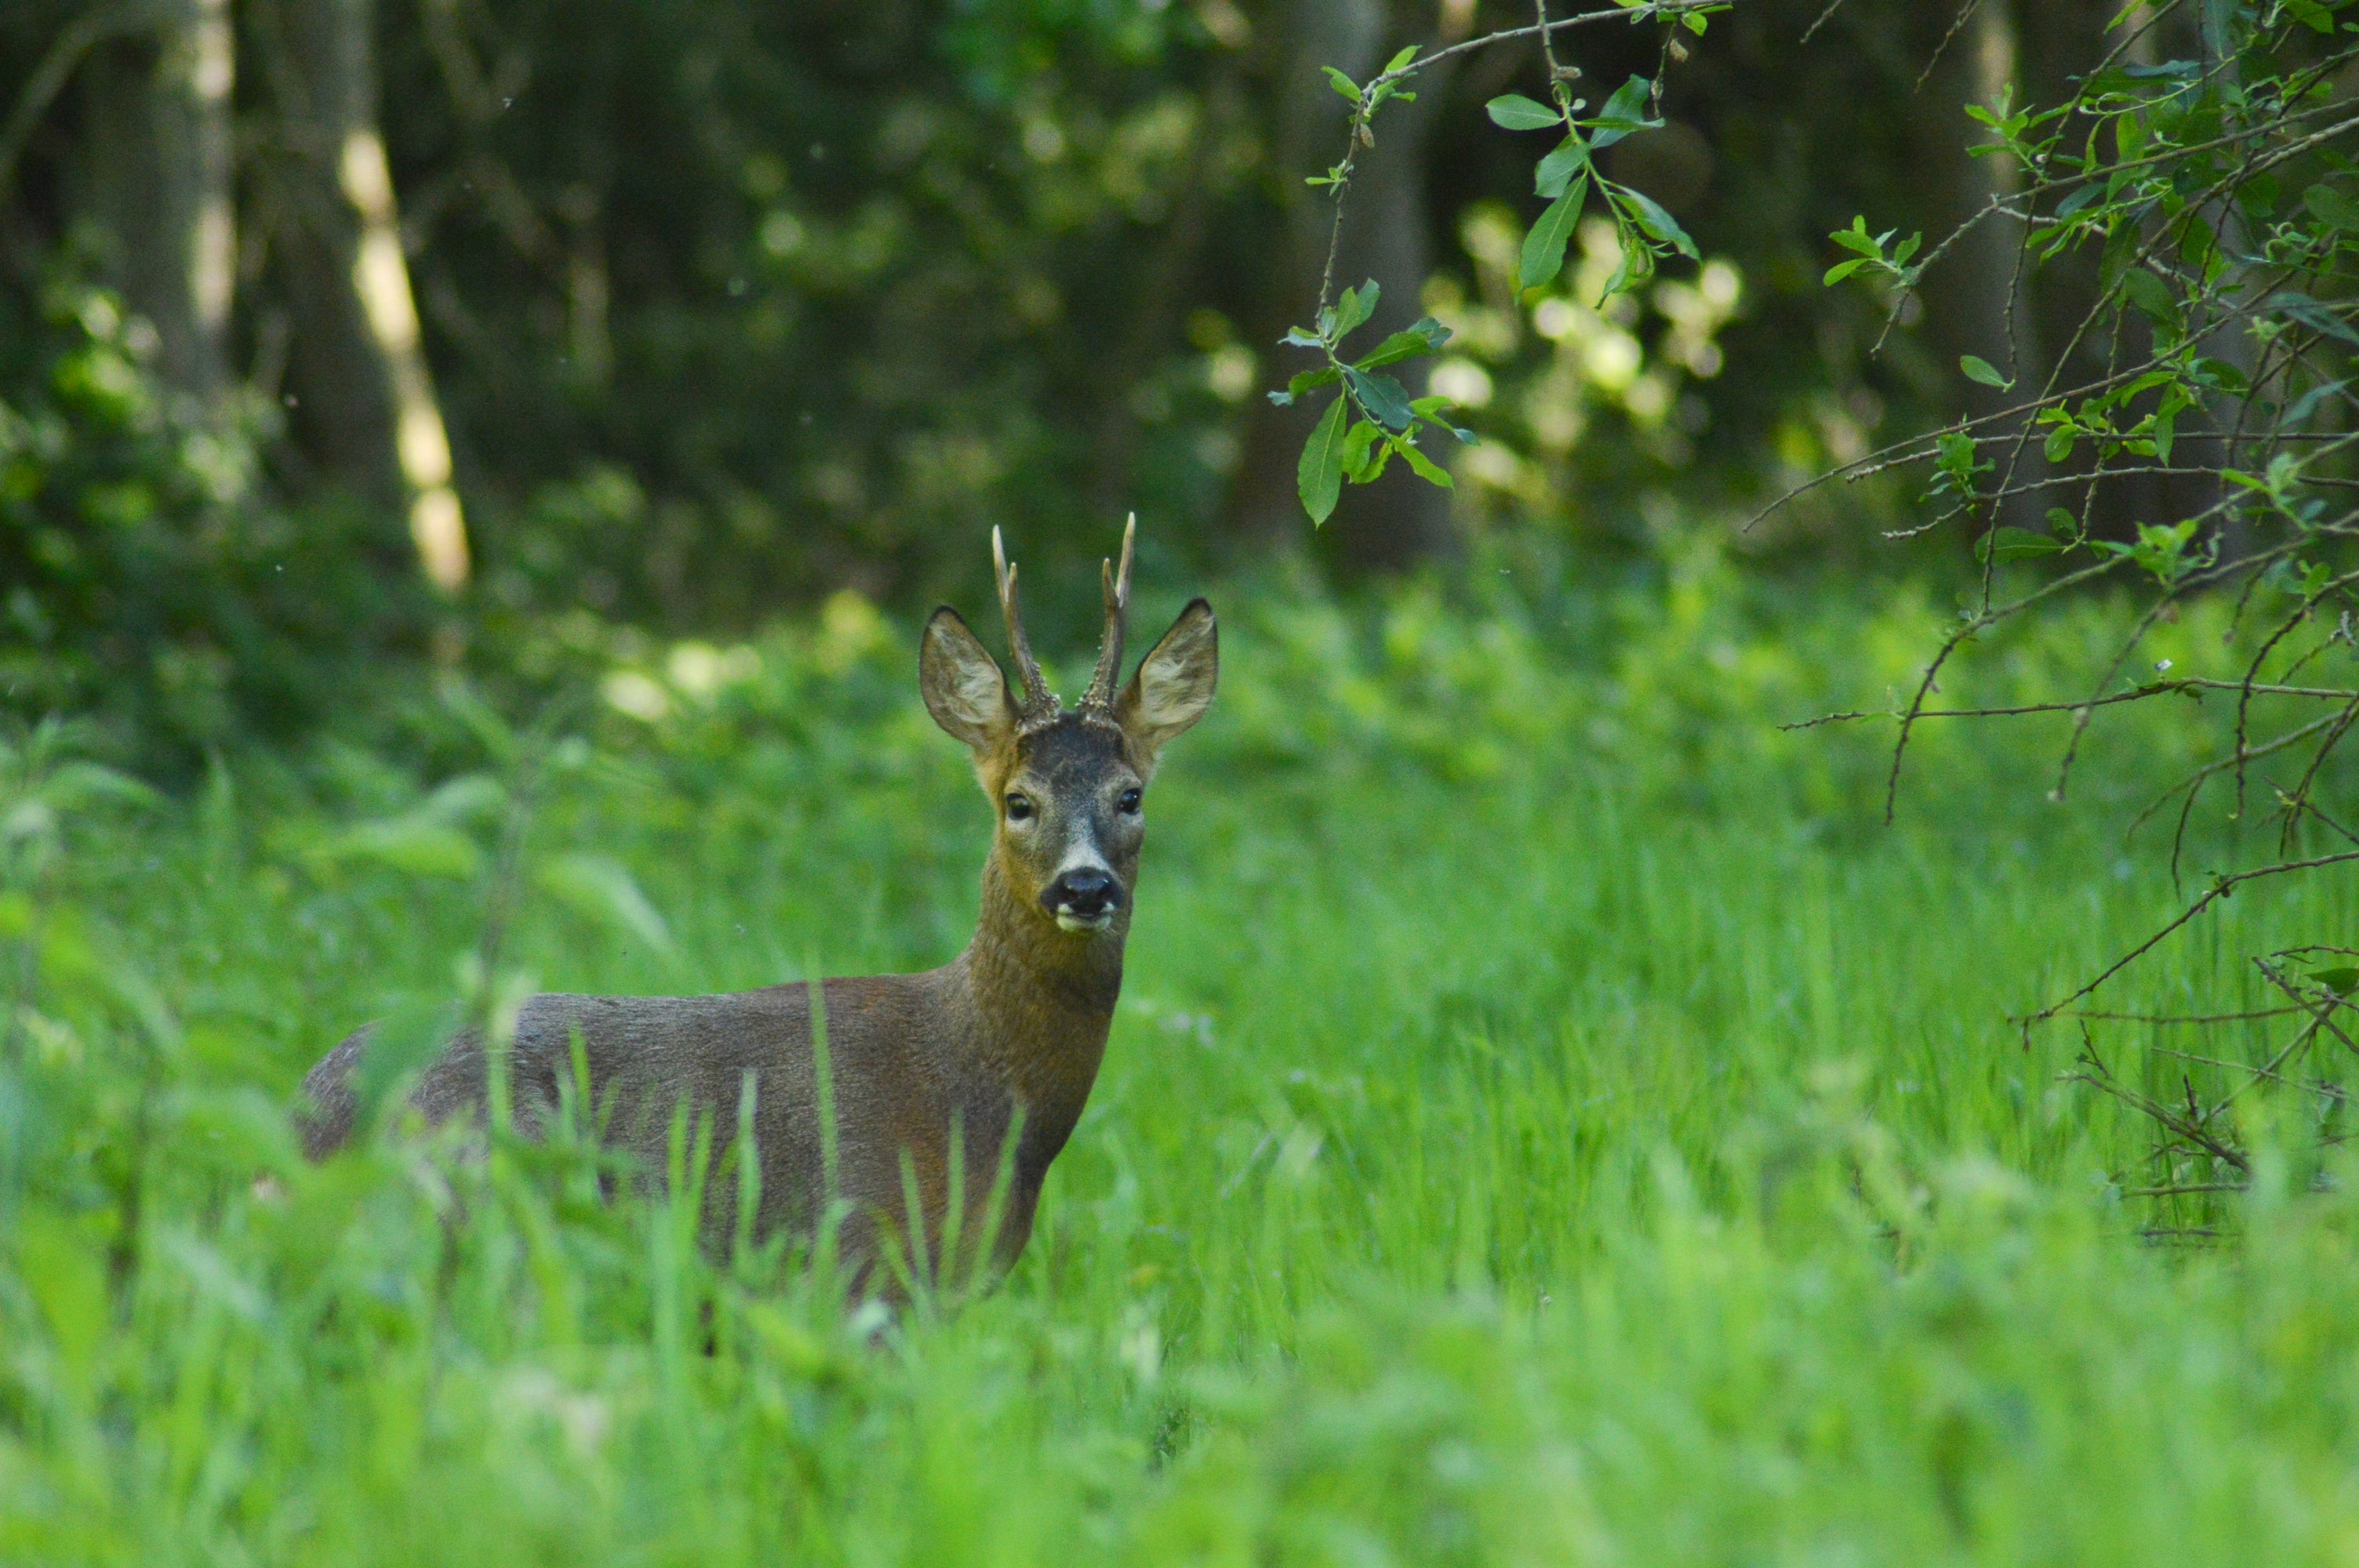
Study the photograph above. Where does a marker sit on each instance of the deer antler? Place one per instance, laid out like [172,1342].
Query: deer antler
[1038,699]
[1117,602]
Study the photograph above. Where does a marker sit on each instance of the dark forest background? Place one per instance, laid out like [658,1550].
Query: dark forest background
[674,316]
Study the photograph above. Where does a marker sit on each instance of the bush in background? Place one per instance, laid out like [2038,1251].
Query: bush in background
[152,583]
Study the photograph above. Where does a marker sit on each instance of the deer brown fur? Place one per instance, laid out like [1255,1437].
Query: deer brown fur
[929,1072]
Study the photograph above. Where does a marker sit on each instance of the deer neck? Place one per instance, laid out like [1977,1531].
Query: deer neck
[1043,1000]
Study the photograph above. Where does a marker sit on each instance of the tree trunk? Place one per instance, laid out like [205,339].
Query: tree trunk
[2063,43]
[2231,341]
[156,179]
[1989,302]
[1154,313]
[364,401]
[1400,520]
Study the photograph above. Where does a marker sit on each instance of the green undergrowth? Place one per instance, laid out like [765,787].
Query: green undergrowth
[1547,1121]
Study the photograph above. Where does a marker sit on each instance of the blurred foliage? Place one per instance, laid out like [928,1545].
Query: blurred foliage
[730,307]
[1566,1154]
[743,303]
[1582,394]
[150,581]
[863,284]
[1547,1121]
[1677,680]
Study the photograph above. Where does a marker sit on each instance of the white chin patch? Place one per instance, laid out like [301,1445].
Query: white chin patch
[1076,923]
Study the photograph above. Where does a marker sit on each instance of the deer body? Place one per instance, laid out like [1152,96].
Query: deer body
[928,1073]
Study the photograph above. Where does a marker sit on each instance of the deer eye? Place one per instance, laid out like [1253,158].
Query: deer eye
[1128,804]
[1019,809]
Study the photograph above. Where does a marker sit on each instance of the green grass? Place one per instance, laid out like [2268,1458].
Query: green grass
[1546,1123]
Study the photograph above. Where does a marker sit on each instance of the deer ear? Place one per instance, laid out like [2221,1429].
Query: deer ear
[961,684]
[1174,684]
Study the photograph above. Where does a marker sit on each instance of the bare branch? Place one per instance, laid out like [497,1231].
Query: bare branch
[2221,888]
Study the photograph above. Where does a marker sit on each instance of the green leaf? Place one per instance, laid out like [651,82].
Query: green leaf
[1423,336]
[1636,266]
[2199,246]
[1425,467]
[1514,112]
[1386,399]
[2305,405]
[1543,252]
[1400,61]
[599,888]
[69,786]
[1325,375]
[2310,14]
[1623,113]
[1319,479]
[2077,200]
[2312,314]
[1342,83]
[1361,436]
[2163,550]
[2151,297]
[2257,198]
[1356,306]
[2121,249]
[1657,222]
[414,844]
[2015,544]
[1842,270]
[1429,407]
[468,797]
[2219,375]
[2341,982]
[63,1269]
[1627,100]
[1982,369]
[1857,239]
[1556,170]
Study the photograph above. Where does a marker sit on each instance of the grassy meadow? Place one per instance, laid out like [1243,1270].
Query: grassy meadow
[1549,1122]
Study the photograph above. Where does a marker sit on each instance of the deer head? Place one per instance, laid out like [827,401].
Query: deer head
[1069,787]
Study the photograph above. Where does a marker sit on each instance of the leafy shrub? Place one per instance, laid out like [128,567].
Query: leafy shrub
[150,585]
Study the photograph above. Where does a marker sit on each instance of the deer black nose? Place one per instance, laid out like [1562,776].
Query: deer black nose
[1085,895]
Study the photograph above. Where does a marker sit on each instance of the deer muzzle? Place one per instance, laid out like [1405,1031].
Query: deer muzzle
[1083,898]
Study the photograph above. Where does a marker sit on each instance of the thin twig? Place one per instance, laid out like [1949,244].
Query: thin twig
[75,39]
[2162,1113]
[2220,889]
[2153,688]
[1956,23]
[2186,1018]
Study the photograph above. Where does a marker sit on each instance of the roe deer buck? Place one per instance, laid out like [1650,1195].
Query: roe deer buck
[929,1072]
